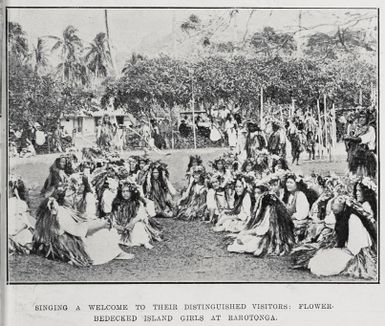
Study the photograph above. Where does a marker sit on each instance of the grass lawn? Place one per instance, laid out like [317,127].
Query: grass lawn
[190,252]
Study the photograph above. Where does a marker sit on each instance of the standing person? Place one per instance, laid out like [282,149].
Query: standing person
[98,131]
[275,142]
[115,136]
[240,149]
[362,147]
[106,133]
[310,123]
[296,140]
[184,129]
[158,139]
[310,144]
[57,140]
[254,141]
[231,131]
[215,134]
[148,135]
[164,129]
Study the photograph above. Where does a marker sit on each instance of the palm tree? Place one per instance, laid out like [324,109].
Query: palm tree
[98,57]
[39,56]
[18,44]
[71,68]
[135,58]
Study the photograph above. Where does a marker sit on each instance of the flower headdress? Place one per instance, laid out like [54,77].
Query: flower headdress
[195,158]
[368,183]
[216,177]
[132,187]
[199,170]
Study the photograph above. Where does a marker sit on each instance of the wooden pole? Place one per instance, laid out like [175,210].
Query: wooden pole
[327,127]
[319,130]
[193,110]
[261,111]
[360,97]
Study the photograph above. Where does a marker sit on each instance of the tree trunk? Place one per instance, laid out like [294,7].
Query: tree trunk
[108,39]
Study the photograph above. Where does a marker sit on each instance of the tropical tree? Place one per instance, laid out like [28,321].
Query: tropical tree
[39,56]
[271,43]
[18,44]
[98,57]
[72,68]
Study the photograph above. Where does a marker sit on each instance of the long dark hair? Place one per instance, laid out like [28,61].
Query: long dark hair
[215,164]
[263,166]
[194,158]
[310,194]
[246,163]
[126,209]
[369,196]
[281,161]
[82,204]
[68,169]
[136,165]
[135,195]
[161,168]
[20,187]
[238,199]
[342,224]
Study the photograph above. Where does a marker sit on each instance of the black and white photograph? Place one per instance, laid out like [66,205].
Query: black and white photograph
[192,145]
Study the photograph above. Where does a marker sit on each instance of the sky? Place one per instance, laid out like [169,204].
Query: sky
[135,29]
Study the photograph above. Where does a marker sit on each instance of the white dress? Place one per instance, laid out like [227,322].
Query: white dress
[102,246]
[216,201]
[139,235]
[333,261]
[237,222]
[231,133]
[20,222]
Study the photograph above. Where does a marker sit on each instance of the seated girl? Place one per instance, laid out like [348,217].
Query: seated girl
[132,166]
[270,230]
[217,199]
[20,222]
[194,162]
[159,189]
[143,167]
[80,197]
[132,217]
[297,203]
[248,168]
[219,166]
[235,220]
[61,233]
[261,166]
[352,250]
[192,205]
[278,164]
[58,174]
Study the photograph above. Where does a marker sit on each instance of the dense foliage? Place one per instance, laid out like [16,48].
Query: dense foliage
[340,65]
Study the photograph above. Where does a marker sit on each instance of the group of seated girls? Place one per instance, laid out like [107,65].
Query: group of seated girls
[283,213]
[89,215]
